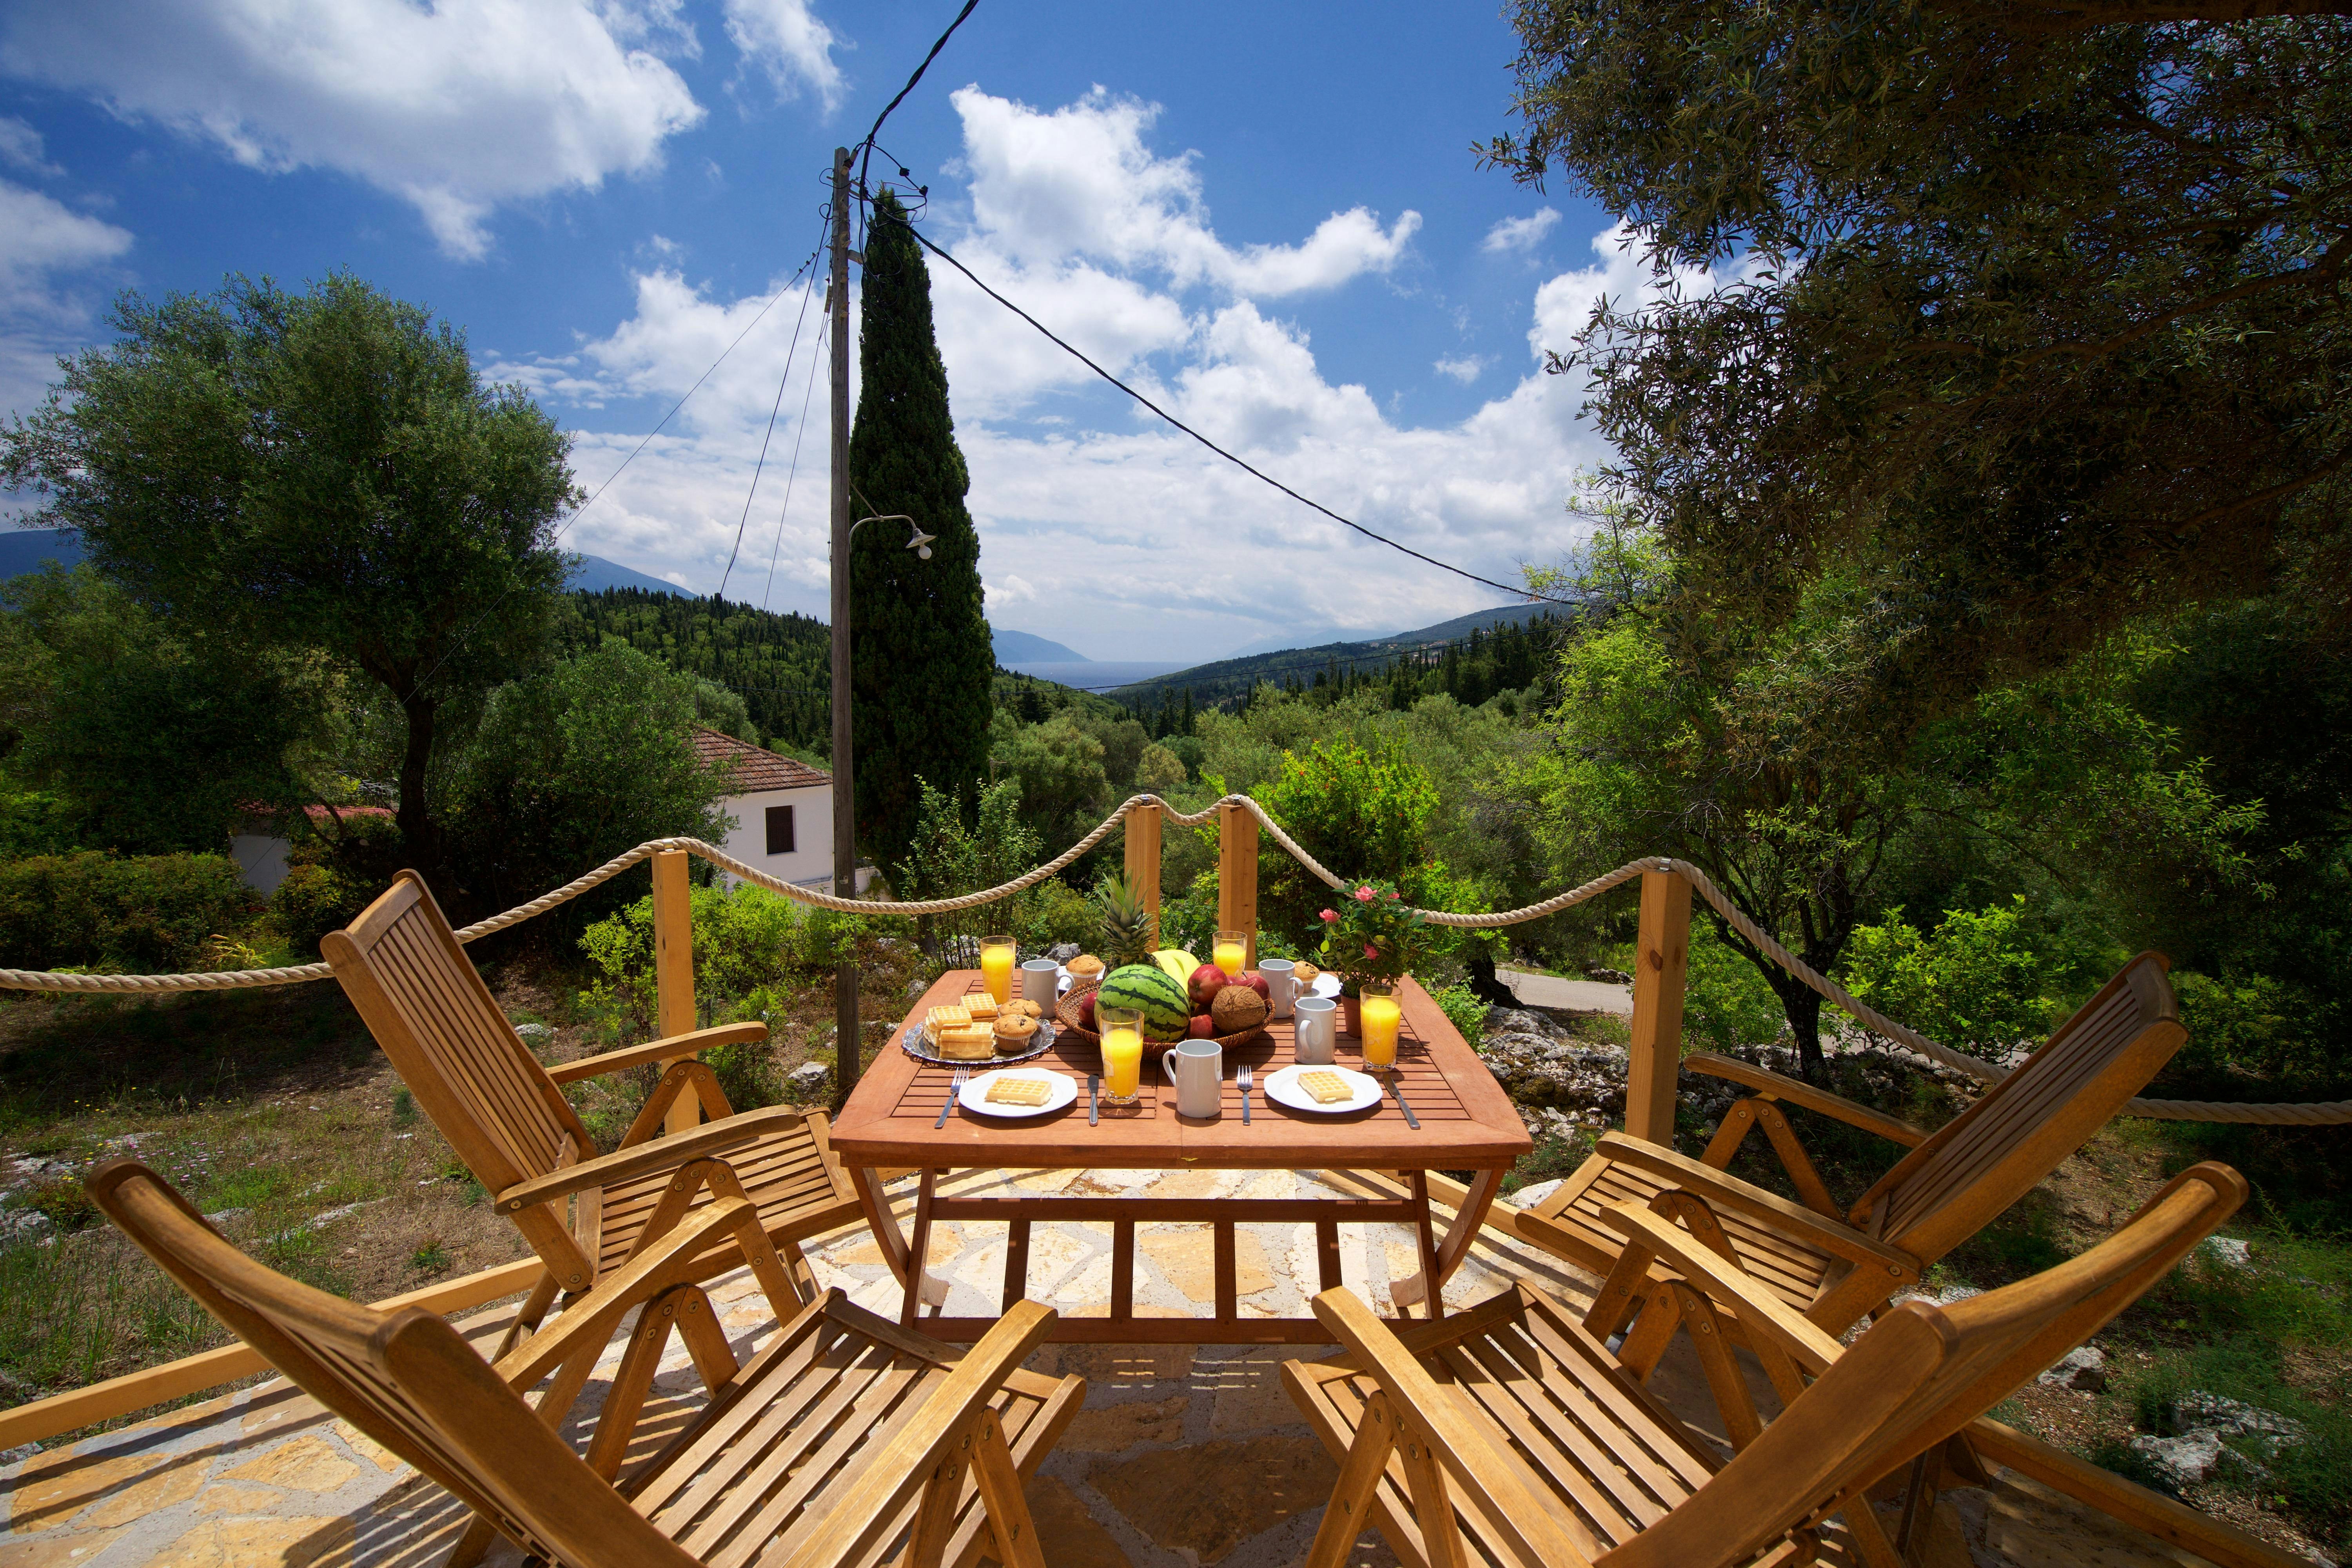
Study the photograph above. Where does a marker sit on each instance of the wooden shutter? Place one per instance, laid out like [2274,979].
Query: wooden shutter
[780,830]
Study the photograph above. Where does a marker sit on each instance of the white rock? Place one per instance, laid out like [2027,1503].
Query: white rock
[533,1031]
[2235,1417]
[2229,1251]
[2083,1367]
[2186,1460]
[1533,1194]
[808,1078]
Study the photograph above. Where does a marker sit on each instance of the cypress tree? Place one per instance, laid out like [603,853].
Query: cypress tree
[921,658]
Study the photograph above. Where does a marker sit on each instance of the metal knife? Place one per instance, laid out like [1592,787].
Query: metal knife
[1409,1119]
[1094,1099]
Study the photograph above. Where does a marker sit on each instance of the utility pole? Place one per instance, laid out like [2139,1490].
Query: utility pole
[847,1040]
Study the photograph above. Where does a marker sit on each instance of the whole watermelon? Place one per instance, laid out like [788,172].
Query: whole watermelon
[1152,992]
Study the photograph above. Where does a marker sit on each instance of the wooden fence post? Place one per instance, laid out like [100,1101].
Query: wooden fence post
[1237,875]
[1143,861]
[674,968]
[1660,962]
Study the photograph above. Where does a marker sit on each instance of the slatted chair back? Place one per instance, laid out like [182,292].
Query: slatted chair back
[401,966]
[1990,1156]
[407,1379]
[1918,1376]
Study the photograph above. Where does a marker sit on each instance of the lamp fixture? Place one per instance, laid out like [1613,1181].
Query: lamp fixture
[917,540]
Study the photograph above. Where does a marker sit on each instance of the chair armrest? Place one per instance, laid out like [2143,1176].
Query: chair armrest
[592,1318]
[1725,1190]
[1497,1476]
[1796,1091]
[874,1505]
[1758,1310]
[710,1140]
[659,1051]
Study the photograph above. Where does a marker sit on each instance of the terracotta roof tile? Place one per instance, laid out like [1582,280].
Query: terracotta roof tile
[756,767]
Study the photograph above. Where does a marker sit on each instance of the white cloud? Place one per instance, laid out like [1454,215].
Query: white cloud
[20,147]
[1079,182]
[790,44]
[48,253]
[1136,541]
[1519,234]
[1463,368]
[456,108]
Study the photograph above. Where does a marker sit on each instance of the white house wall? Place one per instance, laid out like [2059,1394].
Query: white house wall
[811,860]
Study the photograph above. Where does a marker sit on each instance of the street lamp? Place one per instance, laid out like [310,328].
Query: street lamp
[848,1042]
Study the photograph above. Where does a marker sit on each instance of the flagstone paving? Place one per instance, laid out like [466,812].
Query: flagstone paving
[1184,1456]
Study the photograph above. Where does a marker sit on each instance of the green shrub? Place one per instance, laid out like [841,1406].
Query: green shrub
[747,942]
[1051,914]
[1726,1003]
[2257,1027]
[138,914]
[1977,980]
[1463,1010]
[312,901]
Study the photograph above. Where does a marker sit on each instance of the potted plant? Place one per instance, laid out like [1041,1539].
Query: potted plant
[1371,936]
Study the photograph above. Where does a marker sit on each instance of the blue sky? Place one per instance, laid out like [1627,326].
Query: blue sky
[1269,216]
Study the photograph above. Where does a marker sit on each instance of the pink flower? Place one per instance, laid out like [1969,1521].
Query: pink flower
[1370,952]
[1330,914]
[1392,895]
[1364,895]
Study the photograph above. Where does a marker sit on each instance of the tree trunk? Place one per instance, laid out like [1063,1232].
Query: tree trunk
[420,840]
[1803,1006]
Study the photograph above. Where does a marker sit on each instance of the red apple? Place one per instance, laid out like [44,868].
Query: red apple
[1203,1029]
[1086,1011]
[1204,985]
[1256,983]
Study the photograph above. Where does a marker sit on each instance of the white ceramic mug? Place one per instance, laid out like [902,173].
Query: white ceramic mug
[1317,1021]
[1197,1069]
[1281,983]
[1040,977]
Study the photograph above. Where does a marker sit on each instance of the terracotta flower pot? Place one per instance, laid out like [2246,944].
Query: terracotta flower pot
[1351,1022]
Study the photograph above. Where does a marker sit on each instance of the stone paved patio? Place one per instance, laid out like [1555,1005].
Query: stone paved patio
[1184,1456]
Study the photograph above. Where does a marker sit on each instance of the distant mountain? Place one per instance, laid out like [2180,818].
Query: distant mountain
[23,549]
[595,575]
[1026,648]
[1230,677]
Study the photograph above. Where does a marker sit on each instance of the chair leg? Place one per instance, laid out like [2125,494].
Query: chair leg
[1010,1527]
[634,1379]
[474,1545]
[1349,1511]
[1433,1499]
[935,1516]
[528,1317]
[1723,1379]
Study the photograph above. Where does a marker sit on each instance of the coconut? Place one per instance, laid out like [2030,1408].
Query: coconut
[1237,1010]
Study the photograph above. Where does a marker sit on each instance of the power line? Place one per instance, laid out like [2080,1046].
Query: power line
[822,331]
[499,603]
[867,159]
[783,381]
[1523,592]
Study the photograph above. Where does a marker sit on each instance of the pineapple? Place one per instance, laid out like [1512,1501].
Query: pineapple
[1125,925]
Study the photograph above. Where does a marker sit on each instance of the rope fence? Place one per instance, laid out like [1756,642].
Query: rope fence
[2323,1114]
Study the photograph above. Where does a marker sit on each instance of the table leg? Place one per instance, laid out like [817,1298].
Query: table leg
[1016,1263]
[918,1253]
[1454,1246]
[1433,1307]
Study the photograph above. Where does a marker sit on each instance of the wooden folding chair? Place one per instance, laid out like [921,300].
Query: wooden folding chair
[1510,1435]
[1948,1187]
[844,1443]
[506,1118]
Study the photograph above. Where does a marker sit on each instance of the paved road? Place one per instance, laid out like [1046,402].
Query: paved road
[1575,996]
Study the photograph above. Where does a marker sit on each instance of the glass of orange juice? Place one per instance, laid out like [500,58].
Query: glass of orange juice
[1122,1051]
[1231,952]
[1377,1016]
[996,967]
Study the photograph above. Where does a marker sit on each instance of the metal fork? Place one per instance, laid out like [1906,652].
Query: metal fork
[1242,1079]
[955,1087]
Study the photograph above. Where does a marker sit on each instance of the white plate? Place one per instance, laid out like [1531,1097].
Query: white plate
[1326,985]
[974,1098]
[1282,1088]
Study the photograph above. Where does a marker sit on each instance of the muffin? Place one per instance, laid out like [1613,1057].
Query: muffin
[1085,970]
[1304,975]
[1024,1008]
[1014,1030]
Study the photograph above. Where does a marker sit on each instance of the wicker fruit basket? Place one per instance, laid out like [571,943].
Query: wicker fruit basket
[1067,1013]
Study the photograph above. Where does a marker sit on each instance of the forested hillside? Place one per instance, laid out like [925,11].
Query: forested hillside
[780,665]
[1470,669]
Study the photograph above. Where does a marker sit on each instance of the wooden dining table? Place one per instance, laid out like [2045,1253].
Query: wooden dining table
[1468,1124]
